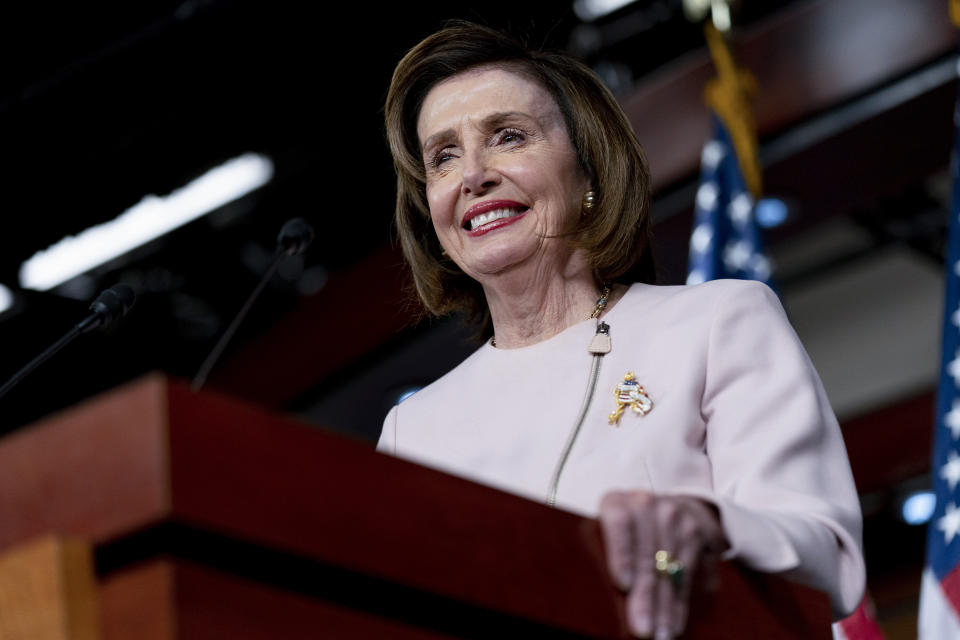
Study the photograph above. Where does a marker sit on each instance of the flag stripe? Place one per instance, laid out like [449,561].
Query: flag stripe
[950,584]
[860,625]
[938,619]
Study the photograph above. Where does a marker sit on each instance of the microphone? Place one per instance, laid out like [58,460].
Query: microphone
[111,305]
[294,238]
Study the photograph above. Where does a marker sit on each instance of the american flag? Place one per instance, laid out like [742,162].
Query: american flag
[940,590]
[726,241]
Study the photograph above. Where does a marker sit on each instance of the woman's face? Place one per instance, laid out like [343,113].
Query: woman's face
[501,173]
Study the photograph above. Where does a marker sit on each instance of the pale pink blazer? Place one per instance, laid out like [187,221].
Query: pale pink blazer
[739,418]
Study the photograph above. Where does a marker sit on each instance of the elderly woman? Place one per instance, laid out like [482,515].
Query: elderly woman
[688,418]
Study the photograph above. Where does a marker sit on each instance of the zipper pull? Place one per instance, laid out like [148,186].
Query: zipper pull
[600,344]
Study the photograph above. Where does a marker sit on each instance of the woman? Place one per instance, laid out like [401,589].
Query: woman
[689,419]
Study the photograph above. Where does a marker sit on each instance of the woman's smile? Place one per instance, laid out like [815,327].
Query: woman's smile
[493,214]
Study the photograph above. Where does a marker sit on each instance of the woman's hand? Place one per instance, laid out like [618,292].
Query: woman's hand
[637,526]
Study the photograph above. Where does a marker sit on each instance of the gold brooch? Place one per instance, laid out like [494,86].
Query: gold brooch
[630,393]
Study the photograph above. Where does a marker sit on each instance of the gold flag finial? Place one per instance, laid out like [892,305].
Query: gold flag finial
[719,10]
[729,95]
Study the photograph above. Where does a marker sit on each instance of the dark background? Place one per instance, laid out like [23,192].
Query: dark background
[104,103]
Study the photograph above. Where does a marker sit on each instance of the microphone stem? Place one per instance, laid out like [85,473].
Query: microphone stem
[43,357]
[207,366]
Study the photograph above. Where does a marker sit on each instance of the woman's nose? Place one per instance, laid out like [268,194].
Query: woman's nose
[478,174]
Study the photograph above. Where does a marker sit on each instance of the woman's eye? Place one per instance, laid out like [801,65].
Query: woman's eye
[440,157]
[508,136]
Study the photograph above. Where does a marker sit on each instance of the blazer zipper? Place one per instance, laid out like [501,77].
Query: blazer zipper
[599,346]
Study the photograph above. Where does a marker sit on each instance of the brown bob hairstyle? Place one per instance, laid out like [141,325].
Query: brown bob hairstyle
[615,235]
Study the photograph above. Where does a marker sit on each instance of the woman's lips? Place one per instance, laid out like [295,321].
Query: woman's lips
[496,224]
[492,214]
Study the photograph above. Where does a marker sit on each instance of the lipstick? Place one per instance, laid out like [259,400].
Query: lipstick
[486,216]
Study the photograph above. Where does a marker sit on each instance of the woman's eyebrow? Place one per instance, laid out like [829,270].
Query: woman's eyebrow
[436,138]
[495,119]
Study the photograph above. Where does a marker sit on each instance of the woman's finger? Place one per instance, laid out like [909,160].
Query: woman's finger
[697,537]
[641,600]
[708,569]
[671,561]
[689,555]
[616,522]
[714,541]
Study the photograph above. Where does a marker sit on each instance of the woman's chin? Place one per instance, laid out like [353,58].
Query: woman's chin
[506,261]
[494,263]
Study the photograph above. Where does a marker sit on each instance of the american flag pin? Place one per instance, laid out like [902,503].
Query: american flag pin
[630,393]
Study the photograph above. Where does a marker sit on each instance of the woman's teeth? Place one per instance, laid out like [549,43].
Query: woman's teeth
[490,216]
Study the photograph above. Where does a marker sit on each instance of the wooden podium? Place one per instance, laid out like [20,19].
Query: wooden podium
[209,518]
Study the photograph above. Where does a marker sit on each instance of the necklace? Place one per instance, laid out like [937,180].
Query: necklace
[601,301]
[598,308]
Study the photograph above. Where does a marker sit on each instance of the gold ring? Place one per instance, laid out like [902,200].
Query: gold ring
[668,566]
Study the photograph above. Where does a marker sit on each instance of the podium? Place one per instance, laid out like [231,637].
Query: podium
[210,518]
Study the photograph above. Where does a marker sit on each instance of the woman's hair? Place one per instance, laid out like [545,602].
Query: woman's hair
[614,235]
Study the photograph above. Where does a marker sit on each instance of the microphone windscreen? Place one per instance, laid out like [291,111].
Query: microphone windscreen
[113,303]
[295,236]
